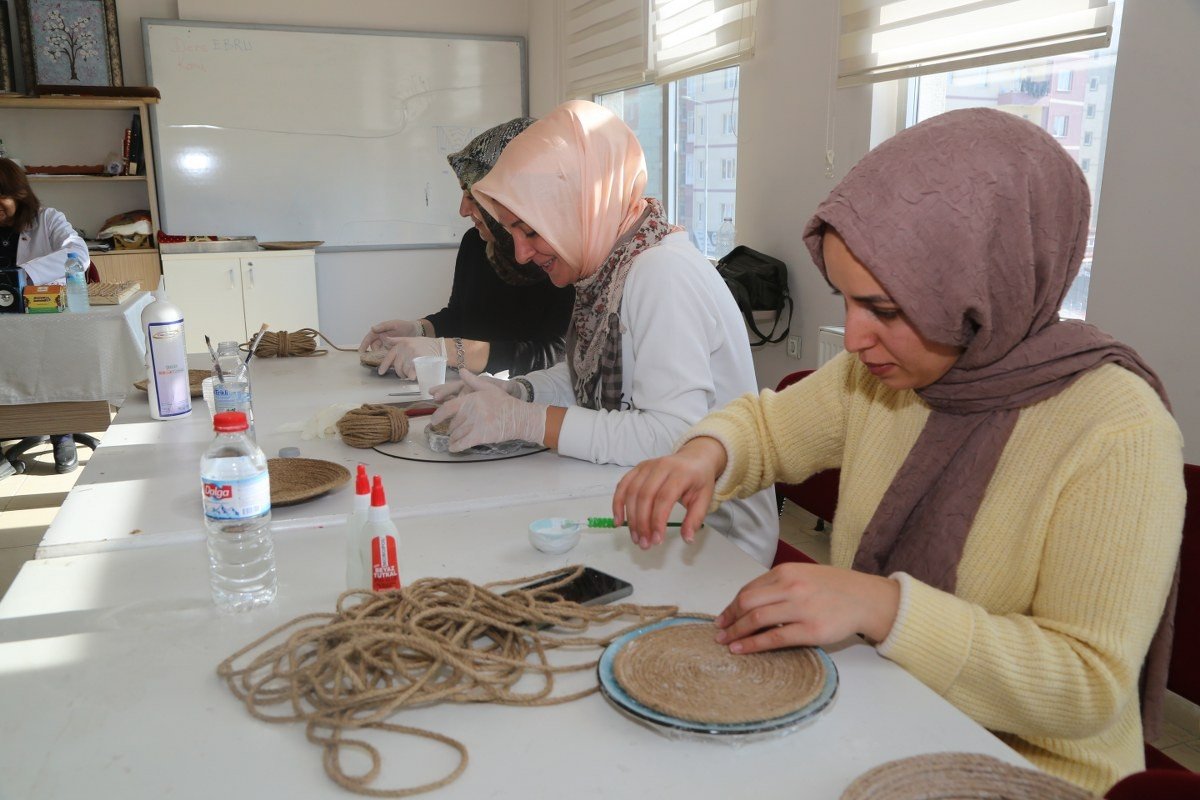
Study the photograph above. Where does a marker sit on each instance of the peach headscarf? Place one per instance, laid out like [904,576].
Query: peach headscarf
[576,177]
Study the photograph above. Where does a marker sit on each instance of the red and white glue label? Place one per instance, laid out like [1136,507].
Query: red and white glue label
[385,569]
[237,499]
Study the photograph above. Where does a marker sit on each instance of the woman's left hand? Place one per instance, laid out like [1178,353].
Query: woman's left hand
[402,351]
[808,604]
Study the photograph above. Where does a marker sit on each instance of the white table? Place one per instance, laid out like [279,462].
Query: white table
[107,663]
[141,487]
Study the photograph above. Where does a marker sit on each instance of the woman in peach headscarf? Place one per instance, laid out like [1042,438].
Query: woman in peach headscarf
[655,341]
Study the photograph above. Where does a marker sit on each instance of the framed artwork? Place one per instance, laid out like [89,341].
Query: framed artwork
[7,65]
[69,42]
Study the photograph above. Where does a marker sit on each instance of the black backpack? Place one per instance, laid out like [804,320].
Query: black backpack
[758,282]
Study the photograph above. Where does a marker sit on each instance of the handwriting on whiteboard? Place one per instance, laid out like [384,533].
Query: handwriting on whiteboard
[189,55]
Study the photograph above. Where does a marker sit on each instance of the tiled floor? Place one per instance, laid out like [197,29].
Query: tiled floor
[29,502]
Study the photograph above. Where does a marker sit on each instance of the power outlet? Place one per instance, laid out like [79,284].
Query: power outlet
[793,346]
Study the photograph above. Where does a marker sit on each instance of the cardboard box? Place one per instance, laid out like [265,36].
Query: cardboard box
[45,299]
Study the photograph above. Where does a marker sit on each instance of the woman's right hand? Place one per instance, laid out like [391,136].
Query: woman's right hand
[393,328]
[645,496]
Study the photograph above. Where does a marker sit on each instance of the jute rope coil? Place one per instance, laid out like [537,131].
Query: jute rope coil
[372,424]
[959,776]
[681,671]
[435,640]
[278,344]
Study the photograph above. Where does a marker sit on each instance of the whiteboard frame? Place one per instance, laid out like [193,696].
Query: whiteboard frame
[159,173]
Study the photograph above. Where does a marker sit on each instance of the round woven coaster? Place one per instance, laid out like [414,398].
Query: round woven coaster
[959,776]
[372,358]
[294,480]
[680,671]
[195,378]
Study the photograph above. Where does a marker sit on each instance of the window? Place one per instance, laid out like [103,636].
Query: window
[1024,88]
[683,160]
[1063,83]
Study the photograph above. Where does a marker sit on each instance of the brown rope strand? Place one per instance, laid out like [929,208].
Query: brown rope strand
[372,424]
[435,640]
[303,343]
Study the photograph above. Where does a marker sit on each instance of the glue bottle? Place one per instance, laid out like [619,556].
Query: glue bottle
[166,359]
[357,574]
[381,540]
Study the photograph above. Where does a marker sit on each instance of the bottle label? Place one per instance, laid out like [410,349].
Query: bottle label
[385,569]
[168,368]
[241,498]
[230,397]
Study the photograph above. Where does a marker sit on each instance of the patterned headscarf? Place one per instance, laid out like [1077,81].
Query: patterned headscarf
[472,163]
[576,177]
[975,222]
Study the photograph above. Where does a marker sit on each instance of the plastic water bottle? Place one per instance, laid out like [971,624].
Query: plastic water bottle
[382,541]
[357,574]
[166,360]
[236,492]
[231,383]
[77,293]
[725,239]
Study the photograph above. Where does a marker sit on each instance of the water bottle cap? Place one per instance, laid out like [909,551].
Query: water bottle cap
[229,421]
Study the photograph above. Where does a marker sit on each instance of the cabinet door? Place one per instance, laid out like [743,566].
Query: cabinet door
[281,291]
[208,290]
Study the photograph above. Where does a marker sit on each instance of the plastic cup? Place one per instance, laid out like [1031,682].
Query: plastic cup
[206,386]
[431,372]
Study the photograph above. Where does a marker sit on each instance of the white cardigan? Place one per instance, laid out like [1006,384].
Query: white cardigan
[685,352]
[43,247]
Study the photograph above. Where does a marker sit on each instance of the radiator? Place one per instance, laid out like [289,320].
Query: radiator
[830,342]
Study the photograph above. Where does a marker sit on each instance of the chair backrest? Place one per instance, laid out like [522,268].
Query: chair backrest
[92,275]
[818,494]
[1184,675]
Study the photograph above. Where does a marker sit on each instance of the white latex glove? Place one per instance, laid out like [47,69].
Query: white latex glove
[394,328]
[401,353]
[488,414]
[452,389]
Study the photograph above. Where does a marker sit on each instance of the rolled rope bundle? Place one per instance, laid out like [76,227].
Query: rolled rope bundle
[303,343]
[372,424]
[435,640]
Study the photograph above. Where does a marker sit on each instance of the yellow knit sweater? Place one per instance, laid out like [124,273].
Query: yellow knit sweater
[1065,572]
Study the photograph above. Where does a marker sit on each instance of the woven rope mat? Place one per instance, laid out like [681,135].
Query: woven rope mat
[372,358]
[959,776]
[195,378]
[294,480]
[679,670]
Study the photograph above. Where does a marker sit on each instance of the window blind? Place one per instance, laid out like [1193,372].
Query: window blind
[604,45]
[882,40]
[693,36]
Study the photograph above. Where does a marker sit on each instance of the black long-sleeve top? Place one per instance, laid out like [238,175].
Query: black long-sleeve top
[525,325]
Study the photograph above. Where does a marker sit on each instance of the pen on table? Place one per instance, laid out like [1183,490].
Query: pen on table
[213,353]
[254,342]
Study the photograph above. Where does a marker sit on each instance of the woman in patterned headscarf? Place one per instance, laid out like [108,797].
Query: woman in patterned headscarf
[656,340]
[1011,495]
[501,315]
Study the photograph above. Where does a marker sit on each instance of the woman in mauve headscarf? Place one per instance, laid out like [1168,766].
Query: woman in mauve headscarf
[501,315]
[655,341]
[1011,495]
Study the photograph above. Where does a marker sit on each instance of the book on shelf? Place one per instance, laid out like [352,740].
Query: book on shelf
[125,144]
[136,163]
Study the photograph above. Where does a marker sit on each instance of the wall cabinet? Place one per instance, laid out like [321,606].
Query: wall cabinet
[65,130]
[228,296]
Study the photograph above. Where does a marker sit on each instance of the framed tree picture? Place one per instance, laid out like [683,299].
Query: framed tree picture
[69,42]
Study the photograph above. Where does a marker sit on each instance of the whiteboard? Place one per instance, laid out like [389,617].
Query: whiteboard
[300,134]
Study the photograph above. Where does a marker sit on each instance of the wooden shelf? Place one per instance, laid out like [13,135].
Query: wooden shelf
[138,252]
[66,101]
[84,178]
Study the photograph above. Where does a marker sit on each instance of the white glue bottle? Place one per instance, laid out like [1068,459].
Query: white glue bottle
[166,359]
[381,540]
[357,574]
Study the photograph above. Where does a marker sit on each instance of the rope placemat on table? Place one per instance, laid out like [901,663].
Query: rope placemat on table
[437,639]
[195,378]
[679,670]
[959,776]
[294,480]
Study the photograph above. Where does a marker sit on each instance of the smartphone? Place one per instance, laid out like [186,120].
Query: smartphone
[591,588]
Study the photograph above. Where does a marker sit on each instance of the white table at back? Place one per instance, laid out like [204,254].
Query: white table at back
[141,487]
[110,690]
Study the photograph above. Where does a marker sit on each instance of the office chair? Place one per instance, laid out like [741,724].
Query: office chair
[817,495]
[65,457]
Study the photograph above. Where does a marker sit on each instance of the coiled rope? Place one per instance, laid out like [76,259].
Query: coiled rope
[278,344]
[438,639]
[372,424]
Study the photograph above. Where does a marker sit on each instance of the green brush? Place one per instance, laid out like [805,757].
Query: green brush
[607,522]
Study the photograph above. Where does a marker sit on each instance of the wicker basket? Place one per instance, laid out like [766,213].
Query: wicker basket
[135,241]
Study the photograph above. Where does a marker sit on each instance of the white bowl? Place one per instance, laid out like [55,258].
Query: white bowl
[554,534]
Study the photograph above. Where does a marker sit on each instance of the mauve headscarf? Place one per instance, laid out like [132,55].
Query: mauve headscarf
[576,177]
[975,223]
